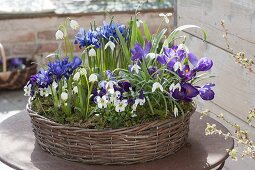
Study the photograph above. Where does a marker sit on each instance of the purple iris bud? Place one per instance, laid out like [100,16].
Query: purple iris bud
[187,92]
[138,53]
[16,61]
[206,93]
[192,59]
[204,64]
[152,70]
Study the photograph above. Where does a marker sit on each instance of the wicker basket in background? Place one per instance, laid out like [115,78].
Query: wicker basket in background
[141,143]
[17,79]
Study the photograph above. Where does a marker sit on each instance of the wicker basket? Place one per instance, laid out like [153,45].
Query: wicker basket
[141,143]
[12,80]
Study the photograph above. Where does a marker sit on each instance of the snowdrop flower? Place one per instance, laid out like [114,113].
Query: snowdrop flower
[109,44]
[157,85]
[135,68]
[101,101]
[165,16]
[83,71]
[74,24]
[54,85]
[139,22]
[175,86]
[75,89]
[134,115]
[177,65]
[76,76]
[151,55]
[115,96]
[59,35]
[27,90]
[64,96]
[120,105]
[44,92]
[134,106]
[175,111]
[92,78]
[92,52]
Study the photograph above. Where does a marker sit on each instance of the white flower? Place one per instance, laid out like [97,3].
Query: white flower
[64,96]
[165,16]
[54,85]
[135,68]
[115,96]
[27,89]
[92,52]
[175,111]
[109,44]
[59,35]
[133,115]
[83,71]
[120,105]
[157,85]
[44,92]
[140,101]
[109,87]
[101,101]
[76,76]
[152,55]
[134,106]
[74,24]
[175,86]
[177,65]
[75,89]
[92,78]
[139,22]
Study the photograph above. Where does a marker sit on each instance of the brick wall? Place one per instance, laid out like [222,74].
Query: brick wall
[21,37]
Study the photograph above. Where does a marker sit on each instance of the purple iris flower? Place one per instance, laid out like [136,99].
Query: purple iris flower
[42,79]
[141,94]
[16,62]
[87,38]
[125,85]
[205,92]
[152,70]
[131,101]
[204,64]
[186,93]
[110,75]
[138,53]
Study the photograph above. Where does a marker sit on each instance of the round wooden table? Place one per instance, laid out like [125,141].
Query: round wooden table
[19,149]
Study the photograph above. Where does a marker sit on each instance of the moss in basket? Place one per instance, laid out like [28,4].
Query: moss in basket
[123,78]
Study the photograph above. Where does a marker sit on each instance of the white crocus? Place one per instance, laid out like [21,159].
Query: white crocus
[177,65]
[115,96]
[83,71]
[92,78]
[75,89]
[120,105]
[175,86]
[74,24]
[101,101]
[64,96]
[59,35]
[135,68]
[92,52]
[139,22]
[76,76]
[109,44]
[157,85]
[175,111]
[165,16]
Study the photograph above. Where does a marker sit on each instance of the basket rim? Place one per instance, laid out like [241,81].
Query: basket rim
[108,130]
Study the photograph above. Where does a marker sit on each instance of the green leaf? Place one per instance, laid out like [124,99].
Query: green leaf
[146,31]
[177,30]
[140,38]
[157,40]
[134,33]
[123,45]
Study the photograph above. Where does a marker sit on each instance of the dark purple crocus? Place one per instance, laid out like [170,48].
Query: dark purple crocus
[192,59]
[138,53]
[186,73]
[204,64]
[186,93]
[205,92]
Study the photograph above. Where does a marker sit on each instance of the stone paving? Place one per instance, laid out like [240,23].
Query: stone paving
[12,102]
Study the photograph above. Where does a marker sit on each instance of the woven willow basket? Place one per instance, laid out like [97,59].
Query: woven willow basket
[141,143]
[12,80]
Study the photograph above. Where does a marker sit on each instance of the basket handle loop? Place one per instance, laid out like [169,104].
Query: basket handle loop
[3,57]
